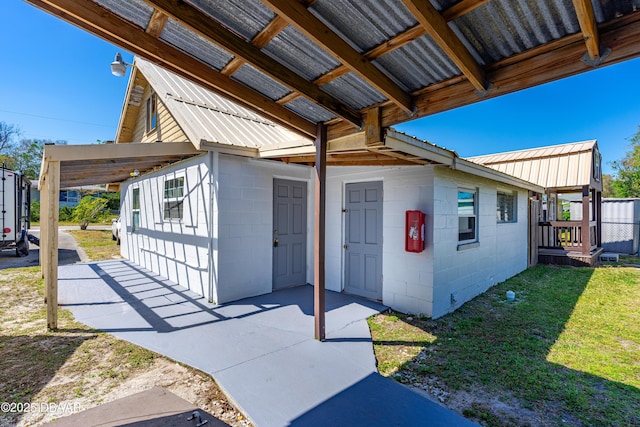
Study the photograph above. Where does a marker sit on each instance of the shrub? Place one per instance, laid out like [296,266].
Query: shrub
[35,211]
[89,210]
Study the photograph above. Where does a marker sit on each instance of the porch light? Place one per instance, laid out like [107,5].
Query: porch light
[118,66]
[135,173]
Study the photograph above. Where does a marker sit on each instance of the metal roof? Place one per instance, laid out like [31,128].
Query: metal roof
[206,117]
[306,62]
[564,166]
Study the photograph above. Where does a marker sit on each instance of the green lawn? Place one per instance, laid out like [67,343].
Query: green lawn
[567,349]
[97,244]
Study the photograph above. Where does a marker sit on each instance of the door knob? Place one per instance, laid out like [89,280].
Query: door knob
[275,243]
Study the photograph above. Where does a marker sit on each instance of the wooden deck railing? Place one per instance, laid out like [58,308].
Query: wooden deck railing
[567,235]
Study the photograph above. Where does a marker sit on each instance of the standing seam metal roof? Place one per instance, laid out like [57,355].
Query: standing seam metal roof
[558,166]
[206,116]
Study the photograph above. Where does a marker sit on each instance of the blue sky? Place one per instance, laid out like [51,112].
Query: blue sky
[55,83]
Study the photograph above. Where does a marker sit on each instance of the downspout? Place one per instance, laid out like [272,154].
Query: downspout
[213,226]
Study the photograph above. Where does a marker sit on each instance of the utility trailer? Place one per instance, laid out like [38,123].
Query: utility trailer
[15,213]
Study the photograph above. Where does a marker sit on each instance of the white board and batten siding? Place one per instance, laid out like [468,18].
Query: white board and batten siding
[177,249]
[241,234]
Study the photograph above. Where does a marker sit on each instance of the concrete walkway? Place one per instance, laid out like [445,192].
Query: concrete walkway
[259,350]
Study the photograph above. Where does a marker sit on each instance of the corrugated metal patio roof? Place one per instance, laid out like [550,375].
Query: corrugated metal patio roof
[306,62]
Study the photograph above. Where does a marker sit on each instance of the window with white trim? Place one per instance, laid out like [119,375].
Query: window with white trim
[152,113]
[173,198]
[467,215]
[135,210]
[506,206]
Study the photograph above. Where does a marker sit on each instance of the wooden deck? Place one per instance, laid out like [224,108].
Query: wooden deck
[573,258]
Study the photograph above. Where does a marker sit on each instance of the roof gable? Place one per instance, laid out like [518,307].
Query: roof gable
[565,166]
[207,118]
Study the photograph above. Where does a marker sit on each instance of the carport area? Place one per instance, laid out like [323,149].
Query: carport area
[68,166]
[259,349]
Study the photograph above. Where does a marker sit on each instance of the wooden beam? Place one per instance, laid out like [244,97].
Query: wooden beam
[373,127]
[586,230]
[403,38]
[212,30]
[462,8]
[156,24]
[88,152]
[556,60]
[437,27]
[587,20]
[51,245]
[319,233]
[101,22]
[298,16]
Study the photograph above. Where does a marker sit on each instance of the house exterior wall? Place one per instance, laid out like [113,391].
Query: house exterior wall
[501,251]
[407,277]
[226,236]
[245,239]
[234,254]
[167,128]
[175,249]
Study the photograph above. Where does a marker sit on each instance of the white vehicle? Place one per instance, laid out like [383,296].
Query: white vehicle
[14,211]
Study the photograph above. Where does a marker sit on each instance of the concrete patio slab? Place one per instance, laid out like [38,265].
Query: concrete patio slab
[259,350]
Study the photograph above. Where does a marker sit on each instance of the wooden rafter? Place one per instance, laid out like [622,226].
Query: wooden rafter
[544,64]
[215,32]
[298,16]
[156,23]
[397,41]
[587,20]
[437,27]
[101,22]
[462,8]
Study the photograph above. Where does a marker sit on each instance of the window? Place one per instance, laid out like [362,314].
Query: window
[135,210]
[173,198]
[597,164]
[506,207]
[152,113]
[467,213]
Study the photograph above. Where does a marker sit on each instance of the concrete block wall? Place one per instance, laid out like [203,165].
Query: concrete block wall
[501,252]
[245,224]
[175,249]
[407,277]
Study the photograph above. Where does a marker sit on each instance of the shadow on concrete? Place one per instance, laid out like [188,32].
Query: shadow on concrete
[8,258]
[391,404]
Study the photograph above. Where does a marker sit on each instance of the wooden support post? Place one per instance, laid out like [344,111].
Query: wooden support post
[373,127]
[586,232]
[51,245]
[319,233]
[43,227]
[598,212]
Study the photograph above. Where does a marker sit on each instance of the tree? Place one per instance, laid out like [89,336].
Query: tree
[607,186]
[7,134]
[88,210]
[627,182]
[27,157]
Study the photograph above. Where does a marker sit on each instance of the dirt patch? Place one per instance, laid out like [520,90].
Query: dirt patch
[76,367]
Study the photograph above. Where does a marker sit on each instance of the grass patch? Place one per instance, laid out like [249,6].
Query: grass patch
[97,244]
[568,347]
[77,365]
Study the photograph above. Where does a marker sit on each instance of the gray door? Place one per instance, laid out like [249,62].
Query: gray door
[363,239]
[289,233]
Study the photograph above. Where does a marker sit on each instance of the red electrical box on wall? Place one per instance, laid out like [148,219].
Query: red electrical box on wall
[414,231]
